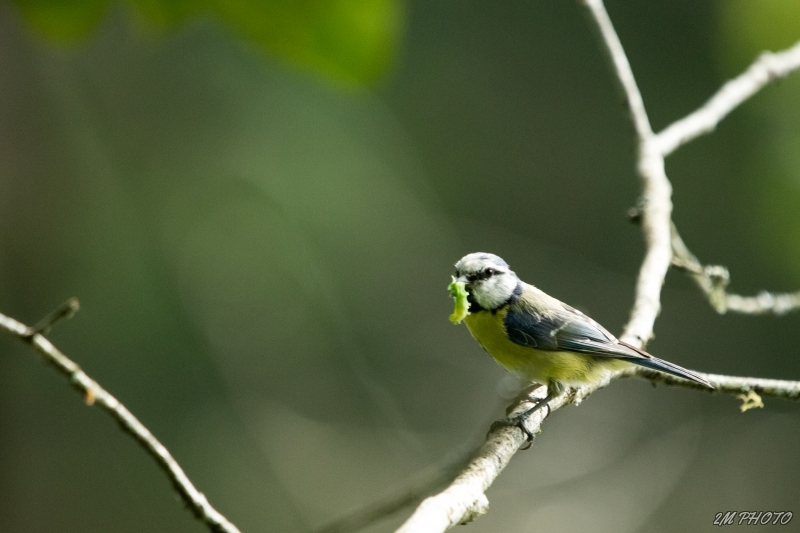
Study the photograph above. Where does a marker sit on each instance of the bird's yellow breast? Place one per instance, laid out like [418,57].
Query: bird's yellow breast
[531,364]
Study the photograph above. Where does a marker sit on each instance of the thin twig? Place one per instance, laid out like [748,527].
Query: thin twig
[64,311]
[774,388]
[656,207]
[764,70]
[713,281]
[764,303]
[622,67]
[94,394]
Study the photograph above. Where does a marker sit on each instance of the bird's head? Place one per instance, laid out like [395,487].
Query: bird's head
[489,280]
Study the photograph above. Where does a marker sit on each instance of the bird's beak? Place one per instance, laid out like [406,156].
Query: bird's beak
[462,279]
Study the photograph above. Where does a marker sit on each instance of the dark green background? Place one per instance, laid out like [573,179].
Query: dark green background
[260,229]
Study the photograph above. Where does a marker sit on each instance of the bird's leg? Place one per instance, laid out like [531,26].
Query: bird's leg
[554,389]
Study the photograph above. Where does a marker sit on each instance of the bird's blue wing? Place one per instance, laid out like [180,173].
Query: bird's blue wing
[567,329]
[564,330]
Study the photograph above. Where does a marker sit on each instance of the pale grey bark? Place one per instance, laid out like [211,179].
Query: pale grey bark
[713,281]
[764,70]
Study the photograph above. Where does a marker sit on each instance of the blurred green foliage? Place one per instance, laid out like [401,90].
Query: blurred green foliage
[747,27]
[349,40]
[63,20]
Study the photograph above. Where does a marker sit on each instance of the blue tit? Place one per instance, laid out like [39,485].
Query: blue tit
[540,338]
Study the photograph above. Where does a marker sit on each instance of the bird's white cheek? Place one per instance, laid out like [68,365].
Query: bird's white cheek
[494,292]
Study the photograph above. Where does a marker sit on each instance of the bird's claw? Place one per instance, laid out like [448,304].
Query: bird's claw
[517,422]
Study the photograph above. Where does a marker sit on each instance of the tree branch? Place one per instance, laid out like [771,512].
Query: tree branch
[94,394]
[764,70]
[622,67]
[656,211]
[775,388]
[713,281]
[464,499]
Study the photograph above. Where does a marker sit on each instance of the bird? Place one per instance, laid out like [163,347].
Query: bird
[538,337]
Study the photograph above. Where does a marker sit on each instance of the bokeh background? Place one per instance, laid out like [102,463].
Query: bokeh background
[259,205]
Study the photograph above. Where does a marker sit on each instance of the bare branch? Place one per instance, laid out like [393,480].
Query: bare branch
[764,303]
[65,310]
[656,211]
[775,388]
[464,500]
[622,67]
[713,281]
[766,69]
[94,394]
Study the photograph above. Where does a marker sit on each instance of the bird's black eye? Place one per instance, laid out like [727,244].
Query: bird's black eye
[490,272]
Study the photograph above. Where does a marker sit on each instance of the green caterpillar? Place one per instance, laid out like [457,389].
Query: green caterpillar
[458,292]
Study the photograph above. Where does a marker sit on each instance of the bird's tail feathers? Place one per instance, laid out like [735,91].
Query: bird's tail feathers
[648,361]
[665,366]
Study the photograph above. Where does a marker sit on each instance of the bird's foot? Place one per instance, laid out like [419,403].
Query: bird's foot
[518,422]
[520,419]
